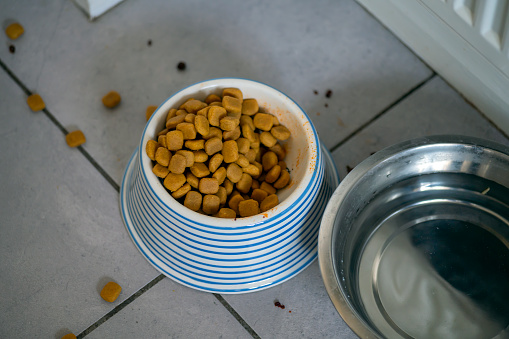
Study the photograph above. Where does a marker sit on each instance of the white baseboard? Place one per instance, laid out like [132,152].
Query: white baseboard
[449,54]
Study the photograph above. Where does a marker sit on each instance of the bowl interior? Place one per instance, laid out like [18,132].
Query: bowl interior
[419,230]
[302,147]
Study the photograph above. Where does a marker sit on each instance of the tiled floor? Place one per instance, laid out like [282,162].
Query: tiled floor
[62,234]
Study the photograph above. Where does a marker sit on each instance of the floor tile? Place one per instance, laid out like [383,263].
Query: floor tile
[62,235]
[170,310]
[297,47]
[308,311]
[433,109]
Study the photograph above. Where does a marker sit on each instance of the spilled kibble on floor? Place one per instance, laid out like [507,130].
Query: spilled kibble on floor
[111,291]
[111,100]
[14,31]
[75,138]
[36,103]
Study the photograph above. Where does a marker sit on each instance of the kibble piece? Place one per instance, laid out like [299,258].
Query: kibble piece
[256,143]
[279,150]
[181,112]
[216,113]
[200,170]
[232,105]
[163,156]
[243,145]
[213,146]
[282,164]
[181,191]
[111,291]
[177,164]
[216,103]
[267,187]
[214,132]
[248,133]
[174,121]
[228,123]
[193,200]
[149,111]
[255,184]
[270,202]
[193,106]
[263,121]
[188,155]
[75,138]
[232,135]
[234,173]
[251,155]
[161,140]
[221,193]
[280,132]
[195,145]
[111,99]
[208,186]
[215,162]
[259,195]
[14,31]
[235,115]
[252,170]
[171,113]
[204,112]
[267,139]
[269,160]
[234,201]
[244,184]
[212,98]
[220,175]
[247,120]
[36,103]
[69,336]
[275,121]
[230,151]
[174,140]
[200,156]
[233,92]
[283,180]
[249,208]
[250,107]
[273,174]
[226,213]
[187,129]
[163,132]
[228,185]
[190,118]
[160,171]
[174,181]
[242,161]
[201,124]
[192,180]
[150,149]
[211,204]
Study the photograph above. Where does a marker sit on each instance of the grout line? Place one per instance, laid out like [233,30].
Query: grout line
[121,306]
[236,315]
[62,128]
[382,112]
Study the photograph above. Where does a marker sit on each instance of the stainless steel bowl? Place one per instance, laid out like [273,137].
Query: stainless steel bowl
[414,243]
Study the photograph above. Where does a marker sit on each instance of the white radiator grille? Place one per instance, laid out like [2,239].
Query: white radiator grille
[482,23]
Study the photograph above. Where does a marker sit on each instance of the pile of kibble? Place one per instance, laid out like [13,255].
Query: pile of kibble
[221,156]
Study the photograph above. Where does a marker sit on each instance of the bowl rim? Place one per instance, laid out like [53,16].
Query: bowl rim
[326,262]
[300,193]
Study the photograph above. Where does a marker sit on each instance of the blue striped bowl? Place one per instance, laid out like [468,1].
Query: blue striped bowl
[232,255]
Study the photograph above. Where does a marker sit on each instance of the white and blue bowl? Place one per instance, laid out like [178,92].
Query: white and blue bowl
[232,255]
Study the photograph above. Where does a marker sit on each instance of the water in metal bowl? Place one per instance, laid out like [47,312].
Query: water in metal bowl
[415,241]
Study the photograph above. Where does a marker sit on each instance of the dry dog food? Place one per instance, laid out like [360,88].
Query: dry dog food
[111,291]
[111,99]
[69,336]
[36,103]
[75,138]
[221,156]
[14,31]
[149,111]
